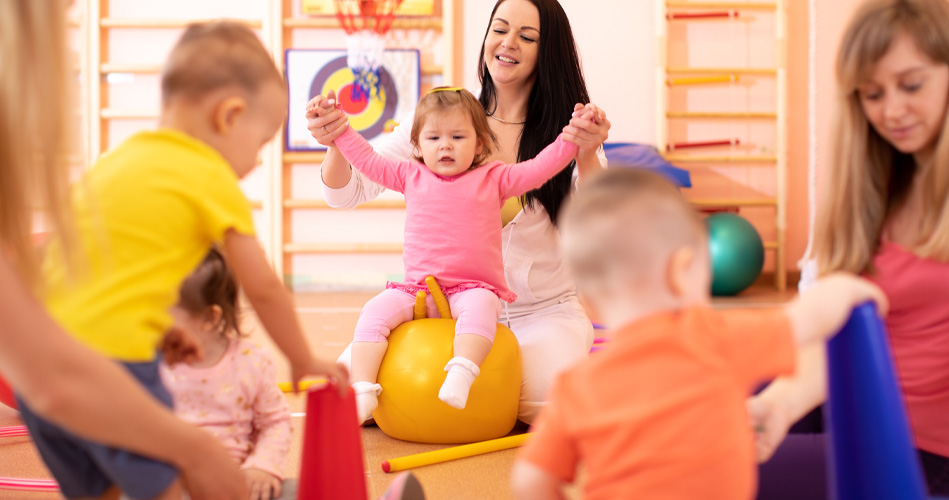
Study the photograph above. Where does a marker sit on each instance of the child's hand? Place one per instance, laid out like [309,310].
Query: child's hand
[262,485]
[823,309]
[324,119]
[856,290]
[770,423]
[335,372]
[588,128]
[180,345]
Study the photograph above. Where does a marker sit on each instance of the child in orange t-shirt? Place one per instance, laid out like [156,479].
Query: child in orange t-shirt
[660,413]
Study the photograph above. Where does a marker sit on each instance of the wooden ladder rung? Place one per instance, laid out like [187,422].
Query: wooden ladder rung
[683,4]
[725,115]
[106,68]
[683,70]
[342,248]
[149,23]
[329,22]
[296,203]
[127,114]
[734,202]
[684,158]
[304,157]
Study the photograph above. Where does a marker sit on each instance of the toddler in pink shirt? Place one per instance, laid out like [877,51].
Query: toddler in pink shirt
[232,393]
[453,225]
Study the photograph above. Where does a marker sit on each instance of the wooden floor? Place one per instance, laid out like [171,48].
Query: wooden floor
[328,320]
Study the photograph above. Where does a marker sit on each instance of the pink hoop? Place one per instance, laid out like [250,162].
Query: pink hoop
[17,484]
[13,431]
[20,484]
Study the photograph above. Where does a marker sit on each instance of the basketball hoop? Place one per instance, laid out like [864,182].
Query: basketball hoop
[366,23]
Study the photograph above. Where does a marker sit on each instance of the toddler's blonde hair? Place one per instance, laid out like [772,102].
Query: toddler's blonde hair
[622,226]
[213,55]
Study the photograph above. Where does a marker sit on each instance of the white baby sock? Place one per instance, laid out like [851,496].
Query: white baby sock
[461,374]
[367,399]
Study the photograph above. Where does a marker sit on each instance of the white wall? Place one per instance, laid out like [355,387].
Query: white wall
[617,46]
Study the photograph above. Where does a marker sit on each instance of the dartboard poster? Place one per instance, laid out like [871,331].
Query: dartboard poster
[312,72]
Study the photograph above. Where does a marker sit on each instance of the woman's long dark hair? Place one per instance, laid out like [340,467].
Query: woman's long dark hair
[558,86]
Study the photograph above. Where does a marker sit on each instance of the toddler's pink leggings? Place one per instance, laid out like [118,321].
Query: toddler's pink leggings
[476,310]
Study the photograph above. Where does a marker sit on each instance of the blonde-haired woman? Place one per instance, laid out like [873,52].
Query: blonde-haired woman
[58,377]
[885,212]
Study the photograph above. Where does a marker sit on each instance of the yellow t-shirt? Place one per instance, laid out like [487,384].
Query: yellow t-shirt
[147,213]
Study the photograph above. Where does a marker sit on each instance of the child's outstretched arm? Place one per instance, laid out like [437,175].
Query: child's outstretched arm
[533,483]
[517,179]
[788,399]
[360,154]
[823,310]
[264,468]
[816,315]
[274,307]
[589,129]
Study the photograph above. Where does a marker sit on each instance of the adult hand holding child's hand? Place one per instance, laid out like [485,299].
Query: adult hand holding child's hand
[324,119]
[588,127]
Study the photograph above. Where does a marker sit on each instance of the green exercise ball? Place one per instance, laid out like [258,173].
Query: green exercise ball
[736,251]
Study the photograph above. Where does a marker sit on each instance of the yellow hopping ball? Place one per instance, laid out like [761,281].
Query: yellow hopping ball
[413,371]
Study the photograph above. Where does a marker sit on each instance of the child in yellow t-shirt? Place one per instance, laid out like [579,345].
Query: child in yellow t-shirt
[147,214]
[660,413]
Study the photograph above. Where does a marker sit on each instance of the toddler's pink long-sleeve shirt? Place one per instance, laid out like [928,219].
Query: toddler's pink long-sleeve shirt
[453,224]
[238,401]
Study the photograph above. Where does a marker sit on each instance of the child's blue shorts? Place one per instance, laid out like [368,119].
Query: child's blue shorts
[86,469]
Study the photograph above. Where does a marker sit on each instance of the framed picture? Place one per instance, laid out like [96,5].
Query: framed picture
[407,8]
[312,72]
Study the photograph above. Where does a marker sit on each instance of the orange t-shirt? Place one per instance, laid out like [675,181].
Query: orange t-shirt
[660,412]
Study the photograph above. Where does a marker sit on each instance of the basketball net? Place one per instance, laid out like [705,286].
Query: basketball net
[366,23]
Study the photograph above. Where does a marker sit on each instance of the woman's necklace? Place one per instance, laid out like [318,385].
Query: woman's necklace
[507,122]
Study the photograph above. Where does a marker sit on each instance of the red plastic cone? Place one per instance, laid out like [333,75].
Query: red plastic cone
[332,466]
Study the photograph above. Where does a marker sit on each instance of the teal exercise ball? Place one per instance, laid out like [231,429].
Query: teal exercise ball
[736,252]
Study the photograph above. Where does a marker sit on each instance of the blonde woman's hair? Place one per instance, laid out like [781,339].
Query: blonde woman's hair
[36,139]
[869,179]
[444,99]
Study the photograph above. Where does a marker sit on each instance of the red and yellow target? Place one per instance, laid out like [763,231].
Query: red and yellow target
[370,114]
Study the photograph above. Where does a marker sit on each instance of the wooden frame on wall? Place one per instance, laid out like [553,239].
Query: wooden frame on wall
[666,76]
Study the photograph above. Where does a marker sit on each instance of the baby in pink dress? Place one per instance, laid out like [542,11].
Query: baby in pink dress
[453,225]
[232,393]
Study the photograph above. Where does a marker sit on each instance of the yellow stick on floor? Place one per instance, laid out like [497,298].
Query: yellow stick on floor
[453,453]
[304,385]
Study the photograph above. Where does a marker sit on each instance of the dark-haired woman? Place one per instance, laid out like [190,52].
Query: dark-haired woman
[530,78]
